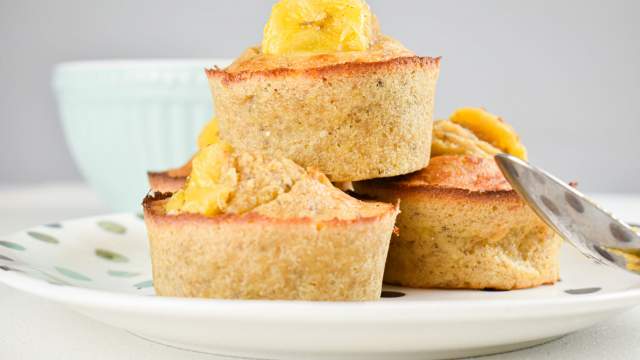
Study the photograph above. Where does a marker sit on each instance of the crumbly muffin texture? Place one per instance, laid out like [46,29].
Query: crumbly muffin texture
[226,181]
[279,188]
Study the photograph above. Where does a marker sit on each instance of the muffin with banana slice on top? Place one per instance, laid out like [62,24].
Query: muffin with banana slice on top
[327,89]
[461,224]
[249,226]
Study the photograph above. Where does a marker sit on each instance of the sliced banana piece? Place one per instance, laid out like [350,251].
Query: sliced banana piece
[210,134]
[319,26]
[490,128]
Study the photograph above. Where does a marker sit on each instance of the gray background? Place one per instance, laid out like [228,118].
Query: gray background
[566,74]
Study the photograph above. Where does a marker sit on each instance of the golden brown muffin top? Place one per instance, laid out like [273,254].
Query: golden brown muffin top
[459,172]
[280,188]
[315,197]
[274,188]
[254,60]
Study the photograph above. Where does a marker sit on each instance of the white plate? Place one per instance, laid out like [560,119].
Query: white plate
[100,267]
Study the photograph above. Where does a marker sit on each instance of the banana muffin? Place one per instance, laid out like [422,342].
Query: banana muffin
[247,226]
[462,226]
[355,104]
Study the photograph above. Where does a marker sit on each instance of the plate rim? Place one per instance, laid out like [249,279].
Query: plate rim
[417,310]
[405,310]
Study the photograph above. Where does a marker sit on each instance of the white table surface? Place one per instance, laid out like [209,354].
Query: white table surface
[33,328]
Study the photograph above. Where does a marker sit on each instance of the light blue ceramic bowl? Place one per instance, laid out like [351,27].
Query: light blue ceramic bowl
[122,118]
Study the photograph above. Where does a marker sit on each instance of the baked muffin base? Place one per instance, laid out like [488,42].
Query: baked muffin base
[254,257]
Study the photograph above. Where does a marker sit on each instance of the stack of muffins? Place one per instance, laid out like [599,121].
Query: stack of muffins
[327,102]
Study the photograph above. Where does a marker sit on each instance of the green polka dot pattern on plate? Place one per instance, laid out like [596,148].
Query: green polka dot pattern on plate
[72,274]
[111,256]
[144,284]
[12,245]
[112,227]
[122,274]
[53,279]
[43,237]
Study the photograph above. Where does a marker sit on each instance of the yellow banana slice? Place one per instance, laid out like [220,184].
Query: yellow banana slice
[490,128]
[318,26]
